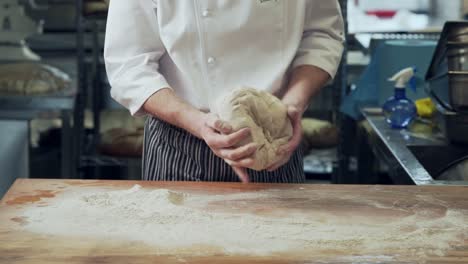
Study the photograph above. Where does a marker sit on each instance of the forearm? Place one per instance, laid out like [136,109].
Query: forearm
[305,82]
[167,106]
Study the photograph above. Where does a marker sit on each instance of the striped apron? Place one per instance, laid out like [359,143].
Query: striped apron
[172,154]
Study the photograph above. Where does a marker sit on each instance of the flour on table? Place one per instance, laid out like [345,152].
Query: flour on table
[170,220]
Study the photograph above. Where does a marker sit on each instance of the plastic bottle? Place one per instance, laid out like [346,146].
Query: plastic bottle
[399,111]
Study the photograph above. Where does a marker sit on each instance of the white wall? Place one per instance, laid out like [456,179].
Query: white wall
[394,4]
[448,9]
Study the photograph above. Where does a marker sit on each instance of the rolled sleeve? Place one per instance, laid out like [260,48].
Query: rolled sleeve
[323,36]
[132,52]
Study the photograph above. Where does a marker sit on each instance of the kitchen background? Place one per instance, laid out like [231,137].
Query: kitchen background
[78,131]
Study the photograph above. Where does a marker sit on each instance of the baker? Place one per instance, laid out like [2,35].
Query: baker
[169,59]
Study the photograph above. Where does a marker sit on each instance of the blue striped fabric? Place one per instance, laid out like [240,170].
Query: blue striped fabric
[172,154]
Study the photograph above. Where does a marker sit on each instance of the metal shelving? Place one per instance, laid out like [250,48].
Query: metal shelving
[55,105]
[82,87]
[91,72]
[58,101]
[340,168]
[36,103]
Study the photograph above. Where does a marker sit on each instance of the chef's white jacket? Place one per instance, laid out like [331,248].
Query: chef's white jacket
[203,48]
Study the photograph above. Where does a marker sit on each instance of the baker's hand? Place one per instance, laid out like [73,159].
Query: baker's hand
[219,136]
[286,151]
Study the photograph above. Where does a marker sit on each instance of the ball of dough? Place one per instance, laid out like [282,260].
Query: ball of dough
[264,114]
[31,79]
[319,134]
[122,142]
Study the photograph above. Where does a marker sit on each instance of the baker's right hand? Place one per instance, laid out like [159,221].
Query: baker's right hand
[223,141]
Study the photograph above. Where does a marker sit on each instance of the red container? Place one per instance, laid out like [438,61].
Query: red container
[382,13]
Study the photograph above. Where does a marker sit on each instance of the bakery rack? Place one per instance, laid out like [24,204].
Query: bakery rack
[94,95]
[48,106]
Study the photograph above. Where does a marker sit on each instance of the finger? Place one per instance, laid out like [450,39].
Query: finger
[236,137]
[242,173]
[238,153]
[277,164]
[292,144]
[297,134]
[293,113]
[218,125]
[274,167]
[219,141]
[246,163]
[283,159]
[228,141]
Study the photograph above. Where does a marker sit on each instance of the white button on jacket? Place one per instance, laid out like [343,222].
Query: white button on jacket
[202,48]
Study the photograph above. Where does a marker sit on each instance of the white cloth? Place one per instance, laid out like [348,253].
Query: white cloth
[202,48]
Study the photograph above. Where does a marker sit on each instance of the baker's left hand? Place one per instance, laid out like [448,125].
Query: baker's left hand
[286,151]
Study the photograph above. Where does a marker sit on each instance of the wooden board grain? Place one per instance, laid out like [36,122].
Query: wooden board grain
[382,204]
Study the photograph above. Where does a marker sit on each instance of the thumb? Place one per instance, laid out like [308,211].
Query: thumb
[217,124]
[295,116]
[242,173]
[293,113]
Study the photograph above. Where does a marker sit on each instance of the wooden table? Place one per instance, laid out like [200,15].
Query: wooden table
[370,205]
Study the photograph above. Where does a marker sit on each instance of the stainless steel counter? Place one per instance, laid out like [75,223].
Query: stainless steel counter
[397,149]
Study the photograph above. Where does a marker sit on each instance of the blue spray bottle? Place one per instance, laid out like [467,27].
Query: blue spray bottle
[399,111]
